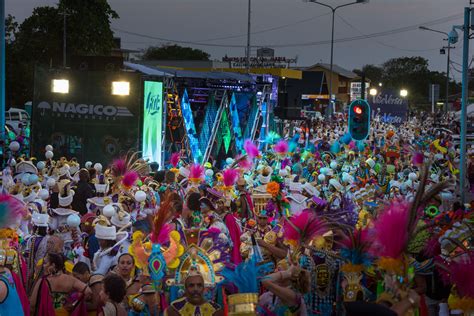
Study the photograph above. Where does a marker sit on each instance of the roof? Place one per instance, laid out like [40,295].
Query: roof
[337,69]
[171,72]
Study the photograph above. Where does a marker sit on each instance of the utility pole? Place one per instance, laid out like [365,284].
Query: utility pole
[64,36]
[2,71]
[247,63]
[465,81]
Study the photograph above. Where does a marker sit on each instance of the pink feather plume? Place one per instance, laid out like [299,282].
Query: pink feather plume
[391,230]
[462,276]
[196,171]
[11,209]
[245,164]
[164,235]
[129,179]
[119,167]
[174,160]
[303,227]
[418,159]
[281,147]
[229,177]
[251,149]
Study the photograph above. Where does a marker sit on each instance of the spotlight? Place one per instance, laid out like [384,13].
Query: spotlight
[60,86]
[120,88]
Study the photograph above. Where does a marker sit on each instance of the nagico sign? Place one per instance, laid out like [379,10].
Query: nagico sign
[83,109]
[390,107]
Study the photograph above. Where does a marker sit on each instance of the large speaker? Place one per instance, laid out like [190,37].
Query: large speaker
[288,109]
[97,63]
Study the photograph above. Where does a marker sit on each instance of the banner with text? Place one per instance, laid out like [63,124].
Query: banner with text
[390,107]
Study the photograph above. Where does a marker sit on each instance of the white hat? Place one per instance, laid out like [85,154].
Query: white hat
[264,179]
[120,219]
[370,162]
[26,166]
[64,211]
[40,220]
[184,172]
[311,189]
[336,184]
[64,188]
[283,172]
[105,232]
[101,188]
[296,186]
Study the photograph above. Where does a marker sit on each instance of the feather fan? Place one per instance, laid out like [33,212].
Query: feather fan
[174,160]
[281,147]
[251,149]
[129,179]
[285,162]
[303,227]
[196,171]
[11,209]
[229,177]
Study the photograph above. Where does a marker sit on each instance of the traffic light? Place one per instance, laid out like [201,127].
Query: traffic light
[359,119]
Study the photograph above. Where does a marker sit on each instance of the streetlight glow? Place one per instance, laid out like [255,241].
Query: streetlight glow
[373,92]
[380,84]
[403,93]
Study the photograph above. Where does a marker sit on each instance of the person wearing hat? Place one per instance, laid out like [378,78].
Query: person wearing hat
[193,303]
[244,201]
[233,226]
[90,242]
[297,200]
[35,248]
[83,191]
[109,240]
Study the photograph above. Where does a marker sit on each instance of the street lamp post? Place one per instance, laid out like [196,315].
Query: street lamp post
[424,28]
[333,9]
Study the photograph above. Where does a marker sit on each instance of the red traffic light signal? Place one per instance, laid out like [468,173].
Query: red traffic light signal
[357,110]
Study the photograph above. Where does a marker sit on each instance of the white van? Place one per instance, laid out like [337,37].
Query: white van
[14,116]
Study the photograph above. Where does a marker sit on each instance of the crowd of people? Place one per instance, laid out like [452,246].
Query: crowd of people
[309,223]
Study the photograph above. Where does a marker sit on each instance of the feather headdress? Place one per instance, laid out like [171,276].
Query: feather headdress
[355,249]
[246,276]
[129,179]
[281,148]
[462,276]
[174,160]
[161,230]
[119,167]
[196,173]
[397,224]
[272,138]
[229,177]
[251,149]
[11,209]
[303,227]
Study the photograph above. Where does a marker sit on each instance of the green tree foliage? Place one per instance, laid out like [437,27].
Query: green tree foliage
[174,52]
[411,73]
[39,41]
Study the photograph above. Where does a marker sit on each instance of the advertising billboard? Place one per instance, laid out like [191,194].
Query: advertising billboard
[152,121]
[87,120]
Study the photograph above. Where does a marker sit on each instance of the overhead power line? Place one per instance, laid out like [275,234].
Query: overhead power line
[382,43]
[324,42]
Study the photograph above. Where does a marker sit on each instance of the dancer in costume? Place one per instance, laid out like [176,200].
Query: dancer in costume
[193,303]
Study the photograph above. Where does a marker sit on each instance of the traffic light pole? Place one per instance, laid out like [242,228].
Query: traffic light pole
[465,67]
